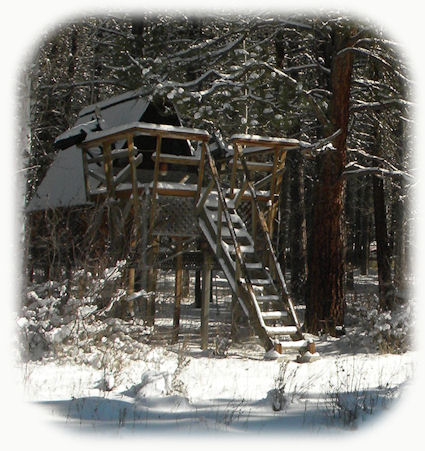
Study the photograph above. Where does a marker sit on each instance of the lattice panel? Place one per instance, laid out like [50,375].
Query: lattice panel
[176,217]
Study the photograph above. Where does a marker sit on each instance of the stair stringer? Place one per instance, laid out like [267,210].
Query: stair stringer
[244,291]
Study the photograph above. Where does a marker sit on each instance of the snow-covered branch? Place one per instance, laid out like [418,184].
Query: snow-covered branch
[382,105]
[356,169]
[375,158]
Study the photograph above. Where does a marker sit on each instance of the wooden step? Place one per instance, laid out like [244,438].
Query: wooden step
[212,202]
[281,330]
[244,249]
[235,218]
[268,298]
[258,282]
[240,233]
[274,315]
[254,266]
[296,344]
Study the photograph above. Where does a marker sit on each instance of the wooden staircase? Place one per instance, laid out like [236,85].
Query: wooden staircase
[264,299]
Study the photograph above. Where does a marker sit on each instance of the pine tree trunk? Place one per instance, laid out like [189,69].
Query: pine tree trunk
[325,287]
[350,201]
[386,290]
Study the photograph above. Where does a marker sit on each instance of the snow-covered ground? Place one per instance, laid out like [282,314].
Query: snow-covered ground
[121,378]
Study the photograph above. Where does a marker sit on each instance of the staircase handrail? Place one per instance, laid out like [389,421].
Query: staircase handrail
[265,231]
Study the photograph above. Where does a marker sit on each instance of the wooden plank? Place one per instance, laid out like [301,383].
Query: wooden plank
[178,159]
[204,197]
[239,196]
[99,177]
[274,315]
[145,129]
[254,166]
[123,174]
[117,153]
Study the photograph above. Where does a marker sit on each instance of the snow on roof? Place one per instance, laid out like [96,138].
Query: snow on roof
[63,185]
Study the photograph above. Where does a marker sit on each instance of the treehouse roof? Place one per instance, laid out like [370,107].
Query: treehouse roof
[63,184]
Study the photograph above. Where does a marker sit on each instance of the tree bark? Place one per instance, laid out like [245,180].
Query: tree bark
[325,288]
[383,253]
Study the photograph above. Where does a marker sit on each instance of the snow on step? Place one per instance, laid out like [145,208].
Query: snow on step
[297,344]
[212,201]
[254,265]
[244,249]
[233,217]
[268,297]
[281,330]
[274,315]
[225,232]
[260,282]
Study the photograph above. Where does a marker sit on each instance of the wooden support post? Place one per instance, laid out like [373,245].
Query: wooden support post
[198,289]
[178,290]
[186,283]
[130,290]
[152,276]
[253,222]
[86,173]
[275,188]
[107,166]
[270,216]
[206,295]
[135,192]
[237,315]
[234,168]
[200,172]
[219,227]
[155,185]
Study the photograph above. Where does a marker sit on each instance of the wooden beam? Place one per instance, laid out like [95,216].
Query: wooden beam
[133,175]
[177,159]
[206,295]
[234,167]
[253,166]
[86,172]
[275,190]
[107,166]
[155,186]
[145,129]
[123,174]
[178,290]
[239,196]
[117,153]
[204,197]
[201,172]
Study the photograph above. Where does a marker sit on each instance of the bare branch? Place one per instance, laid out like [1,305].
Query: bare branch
[357,169]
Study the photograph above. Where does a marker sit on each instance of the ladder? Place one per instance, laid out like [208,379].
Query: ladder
[264,300]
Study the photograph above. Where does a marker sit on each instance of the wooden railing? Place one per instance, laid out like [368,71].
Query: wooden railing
[265,229]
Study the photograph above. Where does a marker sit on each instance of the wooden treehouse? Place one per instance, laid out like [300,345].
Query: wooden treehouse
[166,186]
